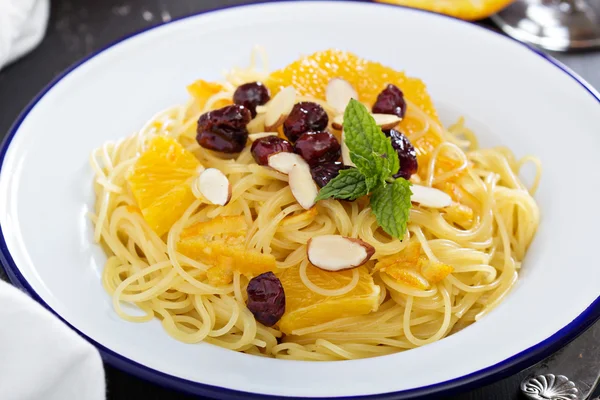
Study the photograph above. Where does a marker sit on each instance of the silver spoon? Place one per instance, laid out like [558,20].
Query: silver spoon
[570,374]
[557,25]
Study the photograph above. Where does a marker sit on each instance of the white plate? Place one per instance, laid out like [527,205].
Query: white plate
[510,94]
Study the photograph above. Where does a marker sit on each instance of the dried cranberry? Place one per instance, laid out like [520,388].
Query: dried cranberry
[224,129]
[406,154]
[318,147]
[325,172]
[305,117]
[390,101]
[264,147]
[251,95]
[266,298]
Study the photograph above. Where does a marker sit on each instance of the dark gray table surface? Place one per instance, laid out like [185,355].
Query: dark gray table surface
[79,27]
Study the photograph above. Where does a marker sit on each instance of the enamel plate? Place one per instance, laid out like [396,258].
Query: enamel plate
[510,95]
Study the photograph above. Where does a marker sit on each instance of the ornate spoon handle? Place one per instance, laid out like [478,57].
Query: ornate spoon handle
[570,374]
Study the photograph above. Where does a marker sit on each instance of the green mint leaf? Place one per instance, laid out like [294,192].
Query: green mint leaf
[348,185]
[391,206]
[370,150]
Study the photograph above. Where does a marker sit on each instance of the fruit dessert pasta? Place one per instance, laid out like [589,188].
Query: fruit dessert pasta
[317,212]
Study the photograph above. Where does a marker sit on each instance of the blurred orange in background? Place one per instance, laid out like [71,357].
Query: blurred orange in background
[464,9]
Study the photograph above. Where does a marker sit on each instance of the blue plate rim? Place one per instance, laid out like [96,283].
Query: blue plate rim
[471,381]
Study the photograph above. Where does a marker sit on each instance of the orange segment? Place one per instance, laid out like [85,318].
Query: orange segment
[459,214]
[219,276]
[305,308]
[160,180]
[221,243]
[310,75]
[409,277]
[202,90]
[413,269]
[464,9]
[233,226]
[407,258]
[435,271]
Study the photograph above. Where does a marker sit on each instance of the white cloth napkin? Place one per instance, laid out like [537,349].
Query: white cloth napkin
[40,357]
[22,27]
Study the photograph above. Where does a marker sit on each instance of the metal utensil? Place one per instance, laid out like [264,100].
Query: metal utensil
[558,25]
[570,374]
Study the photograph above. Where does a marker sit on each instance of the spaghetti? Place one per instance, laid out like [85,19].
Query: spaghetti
[147,270]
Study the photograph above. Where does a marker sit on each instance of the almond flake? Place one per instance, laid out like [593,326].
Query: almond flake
[279,108]
[346,153]
[303,187]
[260,135]
[336,252]
[384,121]
[429,197]
[261,109]
[338,94]
[214,186]
[283,162]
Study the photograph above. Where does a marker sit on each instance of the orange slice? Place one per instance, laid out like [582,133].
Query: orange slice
[435,272]
[310,75]
[407,258]
[202,90]
[304,308]
[160,182]
[459,214]
[221,243]
[464,9]
[408,277]
[413,269]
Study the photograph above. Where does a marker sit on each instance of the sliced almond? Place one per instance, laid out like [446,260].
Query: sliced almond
[338,94]
[303,186]
[279,108]
[429,197]
[283,162]
[338,122]
[257,125]
[261,109]
[384,121]
[346,153]
[260,135]
[214,186]
[336,253]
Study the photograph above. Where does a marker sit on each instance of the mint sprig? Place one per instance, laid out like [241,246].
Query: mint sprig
[376,162]
[391,205]
[370,150]
[348,185]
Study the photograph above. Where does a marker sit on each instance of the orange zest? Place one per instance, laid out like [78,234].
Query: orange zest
[305,308]
[160,182]
[464,9]
[220,243]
